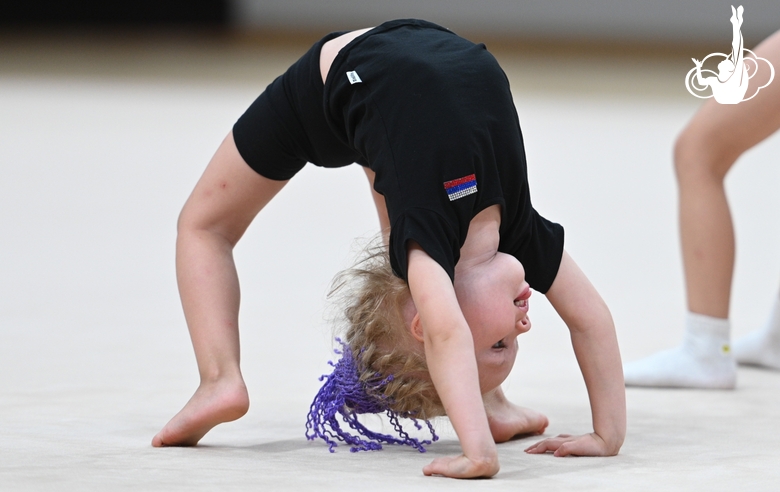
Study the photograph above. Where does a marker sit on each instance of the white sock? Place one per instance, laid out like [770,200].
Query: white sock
[704,359]
[762,347]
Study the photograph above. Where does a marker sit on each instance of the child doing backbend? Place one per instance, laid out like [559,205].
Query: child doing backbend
[430,117]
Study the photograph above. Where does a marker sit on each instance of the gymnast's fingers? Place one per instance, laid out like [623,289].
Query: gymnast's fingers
[547,445]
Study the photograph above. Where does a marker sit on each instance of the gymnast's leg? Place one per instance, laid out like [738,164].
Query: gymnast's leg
[220,208]
[705,151]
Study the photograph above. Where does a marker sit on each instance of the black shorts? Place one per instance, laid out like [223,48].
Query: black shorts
[285,126]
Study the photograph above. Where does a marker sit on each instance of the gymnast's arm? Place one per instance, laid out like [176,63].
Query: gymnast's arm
[701,80]
[595,345]
[449,352]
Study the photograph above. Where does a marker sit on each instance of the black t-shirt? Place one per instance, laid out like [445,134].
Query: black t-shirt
[432,115]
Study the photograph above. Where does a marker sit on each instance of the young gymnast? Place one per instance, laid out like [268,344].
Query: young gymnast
[434,322]
[704,152]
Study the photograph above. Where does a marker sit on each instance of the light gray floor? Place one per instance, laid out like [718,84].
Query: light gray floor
[100,144]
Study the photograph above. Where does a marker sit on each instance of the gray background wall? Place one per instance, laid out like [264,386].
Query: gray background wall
[674,21]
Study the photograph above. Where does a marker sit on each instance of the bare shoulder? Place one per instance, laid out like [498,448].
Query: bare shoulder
[331,48]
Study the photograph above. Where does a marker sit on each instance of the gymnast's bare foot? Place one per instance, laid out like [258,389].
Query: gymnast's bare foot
[508,420]
[213,403]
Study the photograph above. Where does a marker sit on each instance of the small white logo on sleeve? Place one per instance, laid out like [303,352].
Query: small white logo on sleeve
[353,78]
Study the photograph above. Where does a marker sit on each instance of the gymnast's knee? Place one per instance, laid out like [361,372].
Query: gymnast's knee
[700,156]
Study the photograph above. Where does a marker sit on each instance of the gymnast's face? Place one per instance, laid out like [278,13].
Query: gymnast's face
[494,300]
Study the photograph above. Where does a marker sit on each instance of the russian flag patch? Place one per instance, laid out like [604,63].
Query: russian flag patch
[458,188]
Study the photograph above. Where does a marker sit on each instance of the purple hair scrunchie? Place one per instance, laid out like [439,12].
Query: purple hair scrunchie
[343,393]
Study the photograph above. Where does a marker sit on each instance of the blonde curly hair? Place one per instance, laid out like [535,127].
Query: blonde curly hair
[373,301]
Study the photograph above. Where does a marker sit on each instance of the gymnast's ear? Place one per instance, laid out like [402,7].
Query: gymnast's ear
[416,328]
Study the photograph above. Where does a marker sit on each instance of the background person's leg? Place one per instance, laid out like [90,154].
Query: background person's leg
[705,151]
[762,347]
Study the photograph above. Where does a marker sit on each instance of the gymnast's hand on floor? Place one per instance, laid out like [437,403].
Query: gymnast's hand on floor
[462,467]
[566,445]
